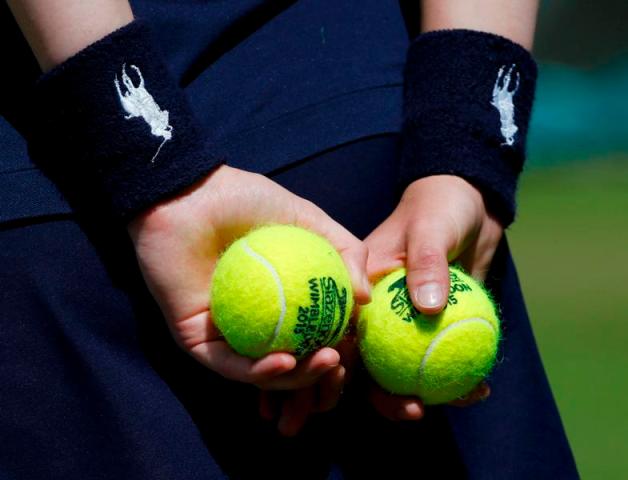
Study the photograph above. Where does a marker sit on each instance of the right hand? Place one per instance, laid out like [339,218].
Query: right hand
[292,411]
[178,243]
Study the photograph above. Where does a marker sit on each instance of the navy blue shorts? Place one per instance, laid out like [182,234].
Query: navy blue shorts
[93,387]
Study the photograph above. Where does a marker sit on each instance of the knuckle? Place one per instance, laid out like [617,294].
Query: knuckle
[310,210]
[426,258]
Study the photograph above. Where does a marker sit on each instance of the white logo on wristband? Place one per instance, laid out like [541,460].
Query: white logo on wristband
[503,92]
[137,102]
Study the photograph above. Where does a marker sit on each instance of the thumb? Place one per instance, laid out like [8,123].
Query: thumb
[427,268]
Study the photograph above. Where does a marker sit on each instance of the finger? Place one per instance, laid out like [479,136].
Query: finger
[428,268]
[330,388]
[475,262]
[477,258]
[307,372]
[295,411]
[349,353]
[353,251]
[471,264]
[479,394]
[222,359]
[387,249]
[267,405]
[395,407]
[195,329]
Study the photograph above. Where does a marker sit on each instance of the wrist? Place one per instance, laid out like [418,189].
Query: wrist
[113,129]
[168,214]
[468,98]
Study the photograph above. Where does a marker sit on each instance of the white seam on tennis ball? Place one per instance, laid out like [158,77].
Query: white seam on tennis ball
[434,343]
[282,296]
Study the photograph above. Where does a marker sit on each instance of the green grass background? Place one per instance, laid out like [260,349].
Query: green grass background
[570,243]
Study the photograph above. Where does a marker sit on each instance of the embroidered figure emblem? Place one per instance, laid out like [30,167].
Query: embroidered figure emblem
[137,102]
[503,92]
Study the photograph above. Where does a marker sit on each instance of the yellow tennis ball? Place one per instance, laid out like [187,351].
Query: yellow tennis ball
[281,288]
[438,358]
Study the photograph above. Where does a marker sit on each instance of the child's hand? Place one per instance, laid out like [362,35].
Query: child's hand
[397,407]
[439,219]
[292,409]
[178,242]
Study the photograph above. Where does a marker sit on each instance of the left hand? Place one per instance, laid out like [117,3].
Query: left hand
[292,408]
[439,219]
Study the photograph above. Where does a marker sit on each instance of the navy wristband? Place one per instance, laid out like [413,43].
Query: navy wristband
[112,124]
[467,101]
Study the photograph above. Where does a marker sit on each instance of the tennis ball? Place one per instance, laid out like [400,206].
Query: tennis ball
[439,357]
[281,288]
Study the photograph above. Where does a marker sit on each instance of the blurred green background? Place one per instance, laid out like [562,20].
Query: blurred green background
[570,240]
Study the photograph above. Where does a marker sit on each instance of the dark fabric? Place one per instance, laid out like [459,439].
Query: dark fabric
[78,397]
[24,190]
[321,73]
[269,81]
[517,433]
[110,123]
[450,125]
[93,385]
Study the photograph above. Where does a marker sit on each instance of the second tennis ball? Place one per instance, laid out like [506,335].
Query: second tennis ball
[437,358]
[281,288]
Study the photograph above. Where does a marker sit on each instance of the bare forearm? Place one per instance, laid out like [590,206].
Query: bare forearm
[514,19]
[57,29]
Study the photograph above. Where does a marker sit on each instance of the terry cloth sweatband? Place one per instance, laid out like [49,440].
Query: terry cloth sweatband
[467,103]
[111,121]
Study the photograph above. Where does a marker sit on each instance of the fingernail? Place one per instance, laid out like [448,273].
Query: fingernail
[411,411]
[429,295]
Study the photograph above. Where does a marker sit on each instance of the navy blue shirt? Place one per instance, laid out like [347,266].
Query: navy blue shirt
[271,82]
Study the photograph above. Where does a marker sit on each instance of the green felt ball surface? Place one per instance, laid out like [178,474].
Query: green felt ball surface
[281,288]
